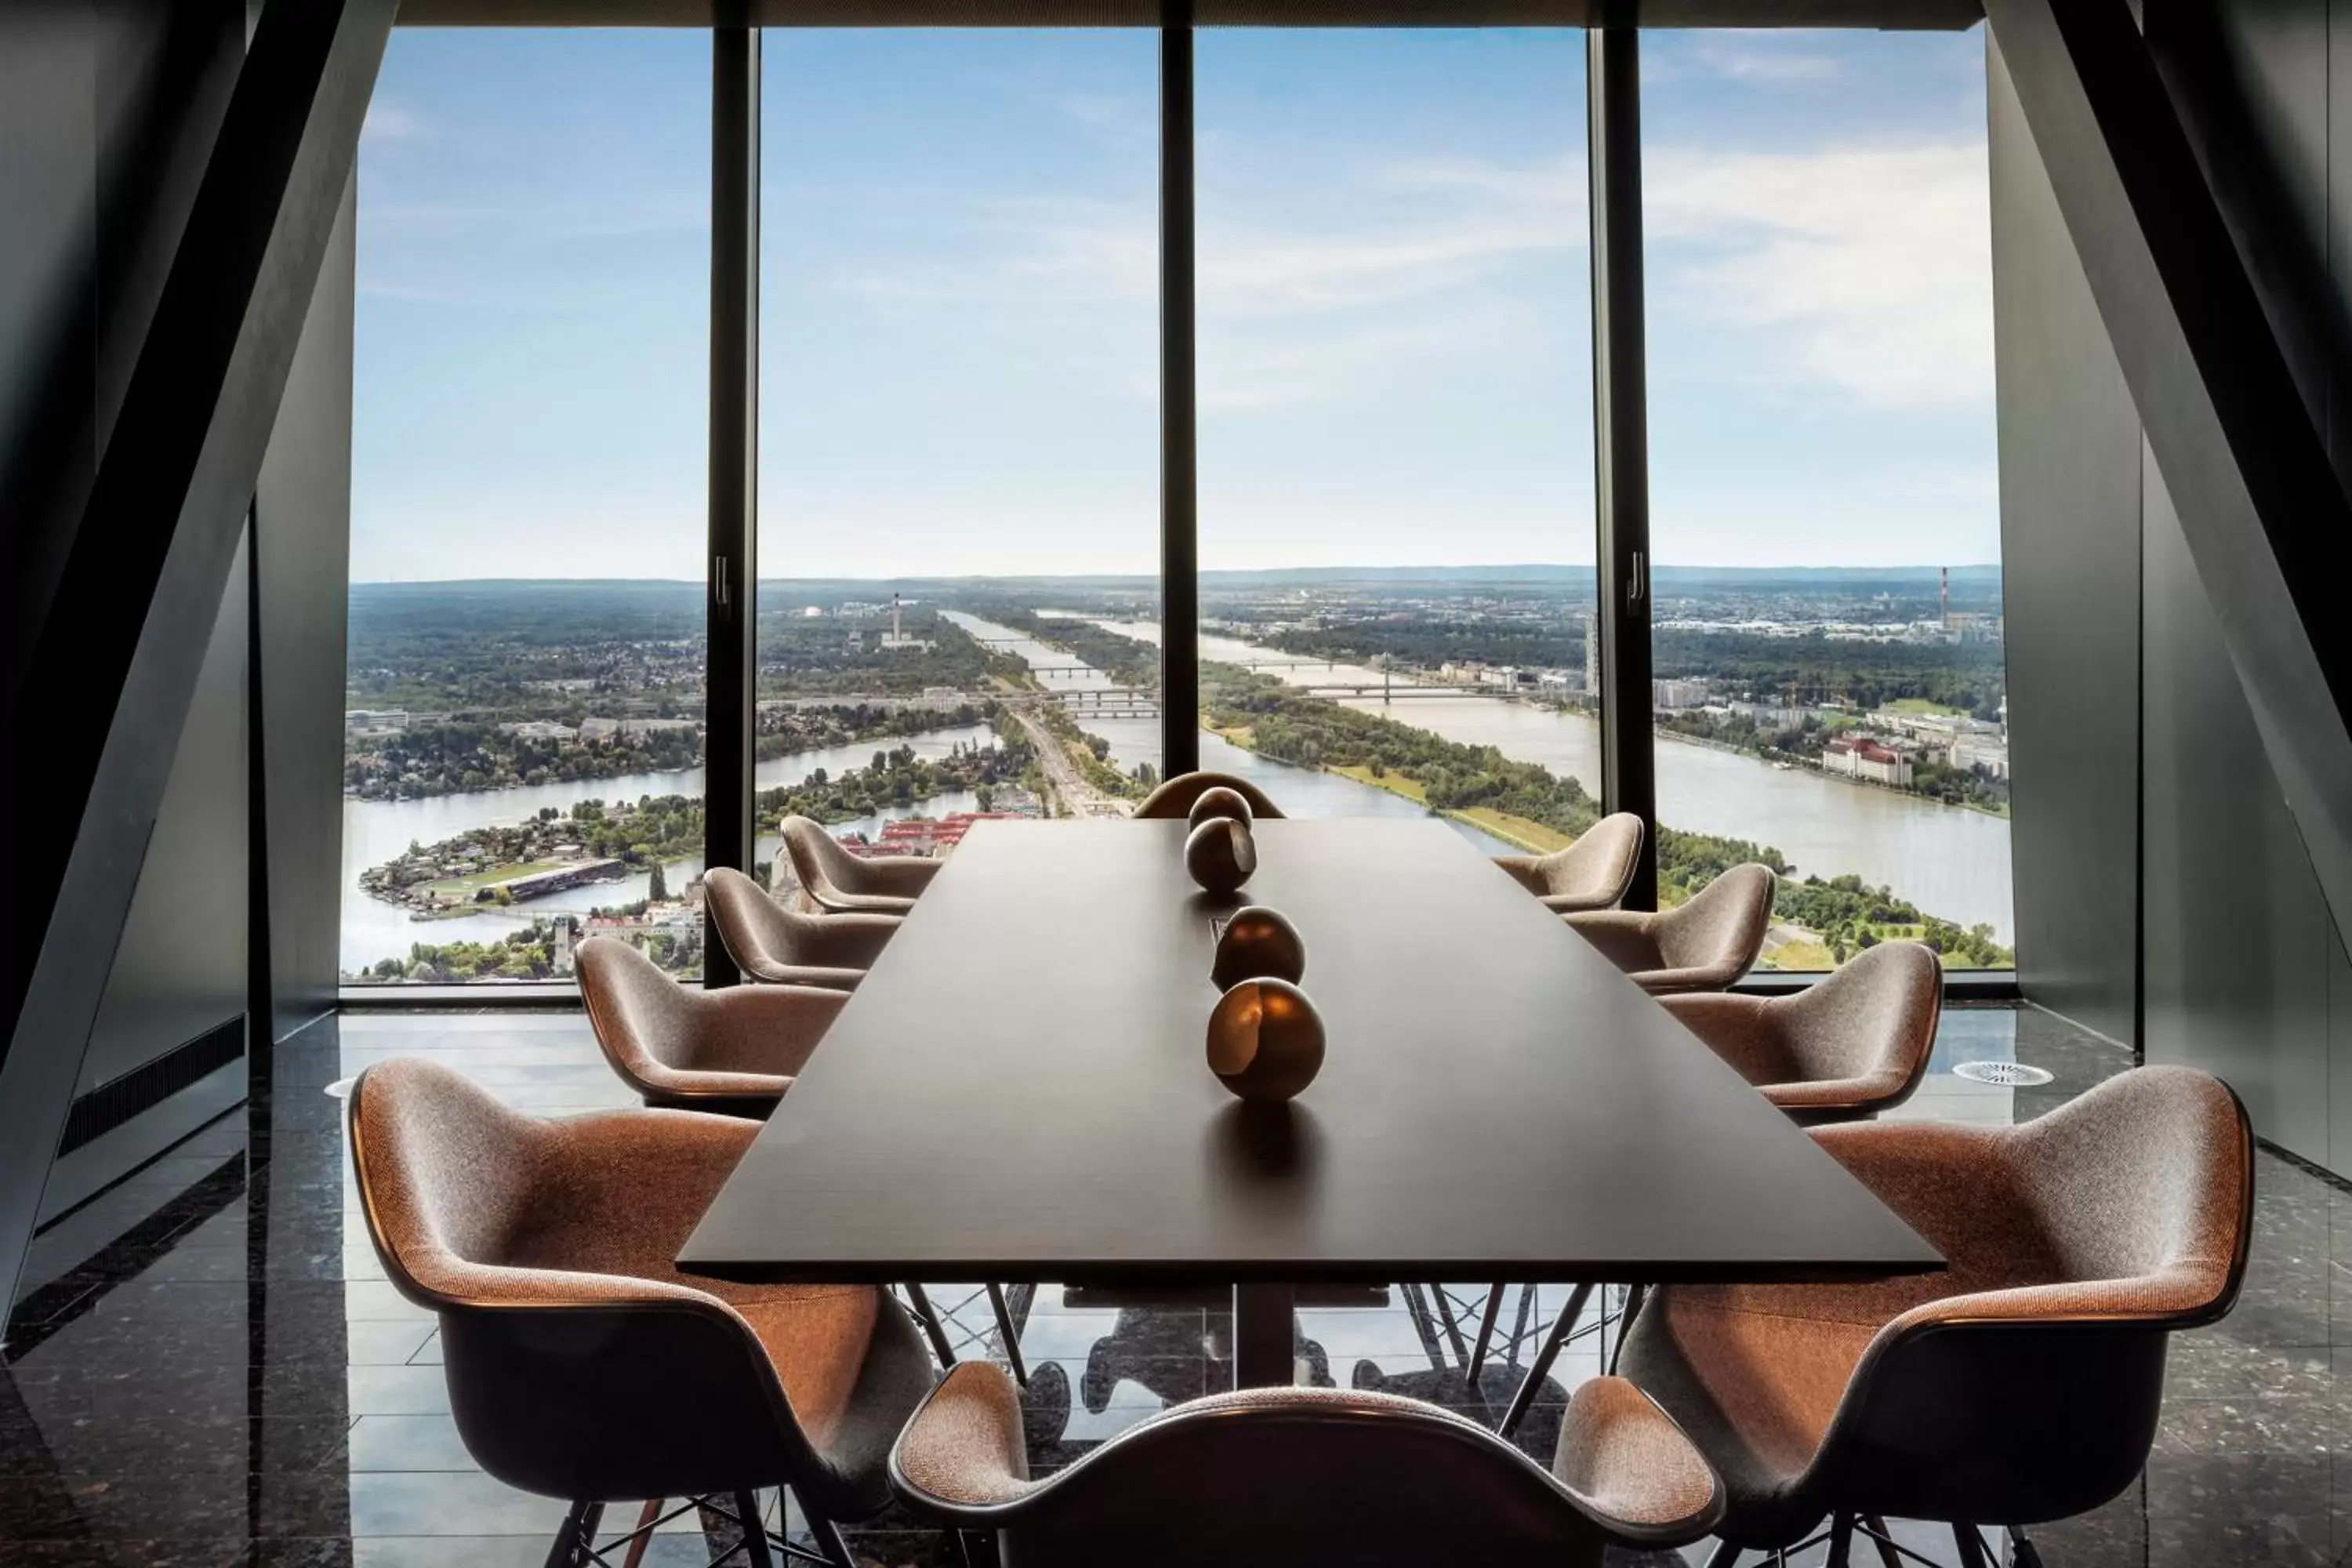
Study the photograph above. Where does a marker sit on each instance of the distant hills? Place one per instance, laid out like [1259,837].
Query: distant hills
[1686,579]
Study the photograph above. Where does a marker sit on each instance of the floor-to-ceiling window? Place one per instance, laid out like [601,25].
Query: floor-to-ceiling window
[1395,426]
[959,427]
[531,404]
[1826,517]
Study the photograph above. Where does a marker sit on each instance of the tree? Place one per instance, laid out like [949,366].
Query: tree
[656,886]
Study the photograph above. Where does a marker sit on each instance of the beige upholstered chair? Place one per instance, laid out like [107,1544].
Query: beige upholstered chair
[1702,944]
[1591,874]
[778,946]
[1290,1476]
[735,1050]
[854,884]
[2021,1385]
[580,1363]
[1174,796]
[1842,1049]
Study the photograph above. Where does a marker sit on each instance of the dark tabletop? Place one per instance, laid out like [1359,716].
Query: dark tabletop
[1019,1091]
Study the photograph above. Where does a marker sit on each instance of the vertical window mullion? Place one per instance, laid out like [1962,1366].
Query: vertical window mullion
[729,655]
[1621,440]
[1179,519]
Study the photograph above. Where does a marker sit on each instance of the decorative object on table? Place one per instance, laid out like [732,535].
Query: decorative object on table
[1265,1040]
[1221,854]
[1221,801]
[1255,943]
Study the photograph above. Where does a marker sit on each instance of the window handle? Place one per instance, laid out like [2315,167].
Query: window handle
[1637,584]
[718,579]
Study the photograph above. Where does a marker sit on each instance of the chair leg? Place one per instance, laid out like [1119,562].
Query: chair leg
[642,1535]
[1634,1296]
[1541,1365]
[2022,1554]
[1486,1336]
[929,1317]
[1841,1542]
[1972,1545]
[578,1533]
[828,1538]
[1724,1555]
[1882,1538]
[755,1531]
[1010,1334]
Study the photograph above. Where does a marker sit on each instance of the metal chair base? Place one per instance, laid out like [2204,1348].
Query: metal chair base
[1844,1526]
[575,1542]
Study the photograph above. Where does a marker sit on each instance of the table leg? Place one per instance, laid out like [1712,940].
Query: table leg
[1263,1329]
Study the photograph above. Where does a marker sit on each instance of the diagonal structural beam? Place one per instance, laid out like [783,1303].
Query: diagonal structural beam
[2264,512]
[113,665]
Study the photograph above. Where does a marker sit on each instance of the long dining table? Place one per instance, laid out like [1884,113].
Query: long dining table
[1019,1091]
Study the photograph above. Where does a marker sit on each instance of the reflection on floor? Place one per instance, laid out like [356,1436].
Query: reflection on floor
[207,1367]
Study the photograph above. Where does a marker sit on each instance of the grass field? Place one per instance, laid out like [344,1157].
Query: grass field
[466,887]
[1921,705]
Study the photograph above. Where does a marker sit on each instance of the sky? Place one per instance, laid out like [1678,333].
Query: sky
[960,295]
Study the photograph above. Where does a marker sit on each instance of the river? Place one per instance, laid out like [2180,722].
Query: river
[376,830]
[1951,862]
[1303,792]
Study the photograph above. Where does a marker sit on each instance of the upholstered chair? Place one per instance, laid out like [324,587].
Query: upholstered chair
[581,1365]
[735,1050]
[1280,1476]
[844,883]
[732,1052]
[1704,944]
[2019,1385]
[1842,1049]
[1174,796]
[785,947]
[1591,874]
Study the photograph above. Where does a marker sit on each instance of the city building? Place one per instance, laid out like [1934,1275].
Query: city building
[1668,695]
[1866,757]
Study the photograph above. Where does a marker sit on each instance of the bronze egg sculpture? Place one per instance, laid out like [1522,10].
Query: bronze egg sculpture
[1221,854]
[1257,943]
[1219,801]
[1265,1040]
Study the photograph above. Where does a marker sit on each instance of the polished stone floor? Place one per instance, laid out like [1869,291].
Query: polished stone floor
[205,1365]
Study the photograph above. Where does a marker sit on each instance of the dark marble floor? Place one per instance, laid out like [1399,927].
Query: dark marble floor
[207,1367]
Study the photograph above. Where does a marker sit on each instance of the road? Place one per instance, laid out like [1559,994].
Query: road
[1078,797]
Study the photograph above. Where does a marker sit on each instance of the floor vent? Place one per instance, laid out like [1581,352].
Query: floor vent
[2006,1075]
[116,1101]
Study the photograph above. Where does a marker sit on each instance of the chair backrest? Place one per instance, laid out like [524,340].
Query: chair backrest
[1880,1010]
[1604,856]
[640,1014]
[446,1173]
[818,859]
[1174,796]
[2146,1179]
[1289,1476]
[1722,923]
[754,929]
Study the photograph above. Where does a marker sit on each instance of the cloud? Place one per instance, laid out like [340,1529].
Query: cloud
[1871,268]
[1760,56]
[388,120]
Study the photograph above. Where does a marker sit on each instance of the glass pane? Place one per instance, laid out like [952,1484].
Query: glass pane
[528,510]
[1825,510]
[1396,426]
[959,428]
